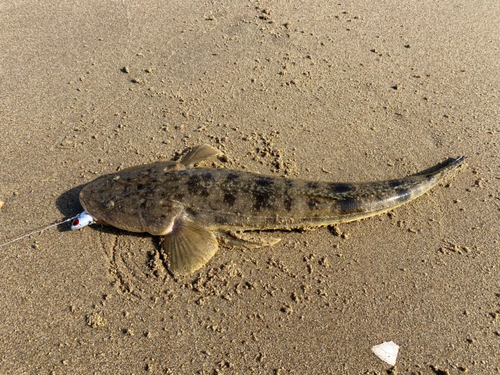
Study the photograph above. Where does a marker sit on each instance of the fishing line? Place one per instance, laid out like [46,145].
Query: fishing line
[38,231]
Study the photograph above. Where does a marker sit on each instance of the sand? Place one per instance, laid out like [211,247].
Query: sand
[339,91]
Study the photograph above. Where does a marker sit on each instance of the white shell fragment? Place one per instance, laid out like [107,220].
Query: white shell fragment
[82,220]
[387,352]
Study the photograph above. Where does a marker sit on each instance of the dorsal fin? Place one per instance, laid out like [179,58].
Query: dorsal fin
[199,153]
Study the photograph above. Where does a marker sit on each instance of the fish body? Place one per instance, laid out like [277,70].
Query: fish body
[188,206]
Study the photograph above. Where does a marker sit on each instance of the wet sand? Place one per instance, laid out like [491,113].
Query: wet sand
[338,92]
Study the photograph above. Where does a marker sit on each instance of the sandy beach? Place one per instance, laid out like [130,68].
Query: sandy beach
[329,91]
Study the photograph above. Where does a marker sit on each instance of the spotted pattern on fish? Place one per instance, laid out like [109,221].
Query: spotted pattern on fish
[229,198]
[287,202]
[192,212]
[241,200]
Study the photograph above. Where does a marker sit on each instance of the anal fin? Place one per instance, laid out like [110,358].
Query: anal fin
[189,247]
[244,239]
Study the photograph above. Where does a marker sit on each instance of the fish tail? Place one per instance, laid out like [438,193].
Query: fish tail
[443,168]
[375,198]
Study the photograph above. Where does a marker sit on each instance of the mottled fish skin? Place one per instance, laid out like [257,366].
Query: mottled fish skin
[189,206]
[149,198]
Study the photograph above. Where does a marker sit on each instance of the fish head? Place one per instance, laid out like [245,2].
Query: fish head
[133,199]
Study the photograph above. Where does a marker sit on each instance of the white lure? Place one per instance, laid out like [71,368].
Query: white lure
[387,352]
[82,220]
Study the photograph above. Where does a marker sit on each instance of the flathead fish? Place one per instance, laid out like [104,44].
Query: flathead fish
[190,207]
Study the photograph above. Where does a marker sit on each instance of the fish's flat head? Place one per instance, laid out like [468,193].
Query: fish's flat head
[132,199]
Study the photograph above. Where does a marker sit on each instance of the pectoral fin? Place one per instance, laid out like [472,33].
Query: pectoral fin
[199,153]
[189,247]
